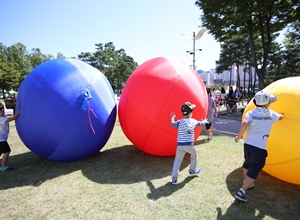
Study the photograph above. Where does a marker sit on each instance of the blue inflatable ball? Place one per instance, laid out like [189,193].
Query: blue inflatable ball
[68,110]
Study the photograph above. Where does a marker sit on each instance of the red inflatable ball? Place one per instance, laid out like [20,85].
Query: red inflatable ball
[154,90]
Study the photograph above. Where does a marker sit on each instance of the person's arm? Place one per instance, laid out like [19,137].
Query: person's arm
[242,130]
[173,123]
[215,106]
[281,116]
[203,122]
[13,117]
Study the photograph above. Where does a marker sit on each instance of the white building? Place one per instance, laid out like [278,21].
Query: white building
[223,78]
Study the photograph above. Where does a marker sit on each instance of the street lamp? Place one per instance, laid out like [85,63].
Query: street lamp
[194,38]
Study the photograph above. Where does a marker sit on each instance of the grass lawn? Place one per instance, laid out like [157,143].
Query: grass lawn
[122,182]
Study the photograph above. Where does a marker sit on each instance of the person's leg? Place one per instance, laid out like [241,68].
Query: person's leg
[245,171]
[247,183]
[240,195]
[5,159]
[5,150]
[256,164]
[208,130]
[255,159]
[194,157]
[178,160]
[228,109]
[234,108]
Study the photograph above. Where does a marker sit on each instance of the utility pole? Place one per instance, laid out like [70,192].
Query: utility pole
[193,52]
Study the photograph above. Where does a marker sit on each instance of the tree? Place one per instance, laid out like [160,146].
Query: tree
[36,57]
[16,63]
[116,65]
[256,19]
[8,74]
[18,56]
[291,54]
[233,53]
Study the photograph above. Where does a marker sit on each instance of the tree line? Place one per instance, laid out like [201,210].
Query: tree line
[247,31]
[16,62]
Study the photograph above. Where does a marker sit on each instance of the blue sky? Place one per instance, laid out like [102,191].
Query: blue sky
[144,29]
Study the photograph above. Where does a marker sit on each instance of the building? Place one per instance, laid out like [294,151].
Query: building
[212,77]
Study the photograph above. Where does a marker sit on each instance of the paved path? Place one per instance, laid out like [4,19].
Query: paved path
[226,126]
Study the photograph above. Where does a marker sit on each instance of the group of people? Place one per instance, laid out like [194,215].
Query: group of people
[230,100]
[257,124]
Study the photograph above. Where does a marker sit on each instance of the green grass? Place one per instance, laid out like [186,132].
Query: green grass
[122,182]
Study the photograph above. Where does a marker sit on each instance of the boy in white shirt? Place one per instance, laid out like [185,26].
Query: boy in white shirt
[257,123]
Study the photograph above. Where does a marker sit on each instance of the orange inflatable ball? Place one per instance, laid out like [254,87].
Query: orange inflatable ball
[283,161]
[154,90]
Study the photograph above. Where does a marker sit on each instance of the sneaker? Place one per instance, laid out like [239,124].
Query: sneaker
[174,180]
[208,139]
[6,168]
[241,196]
[194,172]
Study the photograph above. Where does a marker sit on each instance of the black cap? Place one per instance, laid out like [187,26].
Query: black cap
[187,108]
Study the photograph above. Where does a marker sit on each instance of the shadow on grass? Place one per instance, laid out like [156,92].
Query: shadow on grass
[270,197]
[166,190]
[127,164]
[121,165]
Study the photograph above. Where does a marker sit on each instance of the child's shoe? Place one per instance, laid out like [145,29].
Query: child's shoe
[6,168]
[241,196]
[194,172]
[174,180]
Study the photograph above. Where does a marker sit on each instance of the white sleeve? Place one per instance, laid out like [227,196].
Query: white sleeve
[3,119]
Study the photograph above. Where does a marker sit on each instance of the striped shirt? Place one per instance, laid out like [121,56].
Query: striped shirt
[186,128]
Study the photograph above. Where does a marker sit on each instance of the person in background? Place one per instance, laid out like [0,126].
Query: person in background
[238,96]
[4,131]
[242,91]
[257,123]
[213,93]
[211,111]
[231,93]
[185,139]
[231,105]
[223,99]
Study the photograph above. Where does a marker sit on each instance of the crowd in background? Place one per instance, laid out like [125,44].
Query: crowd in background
[229,99]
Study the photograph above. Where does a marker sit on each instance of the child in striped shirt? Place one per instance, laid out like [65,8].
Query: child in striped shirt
[185,139]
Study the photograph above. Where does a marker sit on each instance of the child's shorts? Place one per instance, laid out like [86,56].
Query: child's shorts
[255,160]
[4,147]
[207,126]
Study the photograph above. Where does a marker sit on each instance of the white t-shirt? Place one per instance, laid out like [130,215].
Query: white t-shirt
[261,122]
[4,128]
[223,95]
[213,94]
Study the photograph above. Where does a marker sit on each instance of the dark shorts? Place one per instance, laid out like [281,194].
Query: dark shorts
[207,126]
[255,160]
[4,147]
